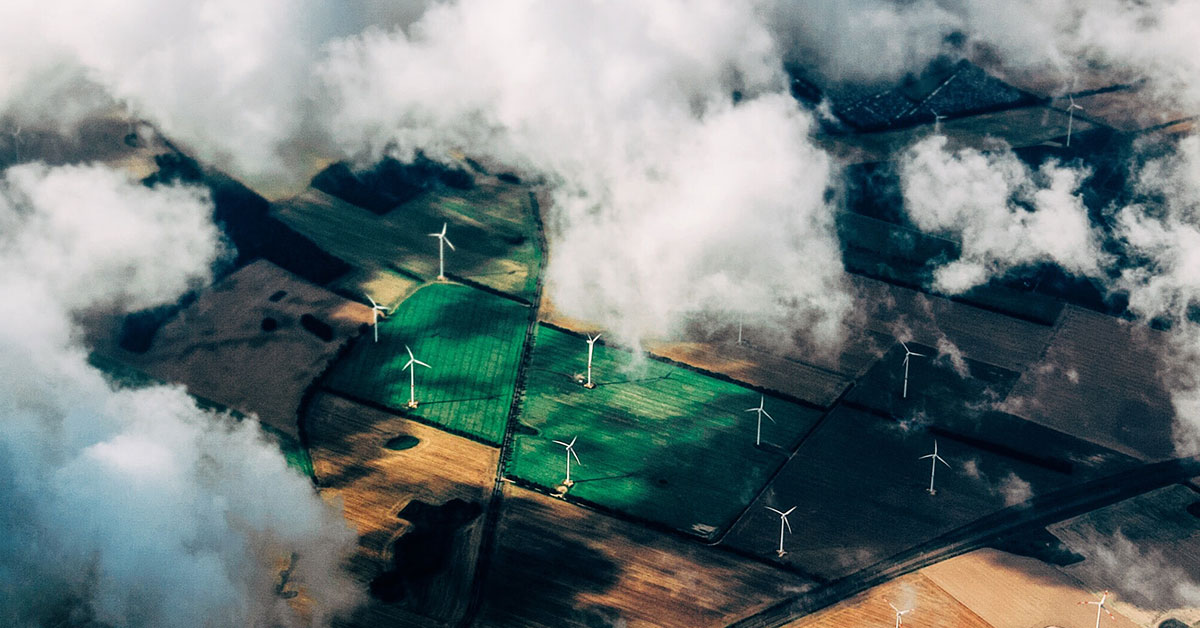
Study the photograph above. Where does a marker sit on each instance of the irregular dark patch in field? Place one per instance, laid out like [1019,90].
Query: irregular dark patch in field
[424,551]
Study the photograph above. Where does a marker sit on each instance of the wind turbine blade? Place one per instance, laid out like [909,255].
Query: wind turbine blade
[926,456]
[435,235]
[373,303]
[789,511]
[942,460]
[407,365]
[919,355]
[449,243]
[574,455]
[752,409]
[410,355]
[778,512]
[904,345]
[443,233]
[562,443]
[573,441]
[422,363]
[768,415]
[892,605]
[786,524]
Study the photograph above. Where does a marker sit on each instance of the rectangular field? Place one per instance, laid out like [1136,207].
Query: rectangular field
[929,604]
[657,441]
[859,488]
[471,340]
[353,463]
[492,226]
[559,565]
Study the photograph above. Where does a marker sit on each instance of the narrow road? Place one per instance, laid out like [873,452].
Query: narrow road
[1040,511]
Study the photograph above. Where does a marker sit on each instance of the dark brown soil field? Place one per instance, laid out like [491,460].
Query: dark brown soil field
[379,486]
[1099,381]
[221,349]
[859,488]
[560,565]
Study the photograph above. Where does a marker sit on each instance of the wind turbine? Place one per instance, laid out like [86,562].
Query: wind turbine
[934,458]
[591,340]
[739,341]
[761,412]
[16,142]
[1100,607]
[412,376]
[570,452]
[783,523]
[1071,117]
[376,310]
[899,613]
[442,242]
[907,354]
[937,121]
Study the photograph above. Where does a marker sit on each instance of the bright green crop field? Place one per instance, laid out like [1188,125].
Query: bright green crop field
[471,339]
[656,441]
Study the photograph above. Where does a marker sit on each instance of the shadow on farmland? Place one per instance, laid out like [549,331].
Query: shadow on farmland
[425,549]
[601,479]
[458,400]
[542,576]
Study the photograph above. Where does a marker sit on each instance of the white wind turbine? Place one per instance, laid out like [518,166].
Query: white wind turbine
[412,376]
[1071,117]
[376,310]
[570,452]
[783,523]
[899,613]
[937,121]
[591,340]
[761,413]
[443,241]
[907,354]
[1100,607]
[934,458]
[16,142]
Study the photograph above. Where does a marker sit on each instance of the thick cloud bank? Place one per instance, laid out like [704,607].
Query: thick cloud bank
[1005,214]
[673,195]
[132,507]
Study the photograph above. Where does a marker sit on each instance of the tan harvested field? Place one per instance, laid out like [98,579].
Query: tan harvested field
[1124,110]
[346,442]
[754,366]
[1147,547]
[1026,126]
[1008,591]
[1099,381]
[980,334]
[217,347]
[561,565]
[931,607]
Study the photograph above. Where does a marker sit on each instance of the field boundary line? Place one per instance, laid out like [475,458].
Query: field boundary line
[491,517]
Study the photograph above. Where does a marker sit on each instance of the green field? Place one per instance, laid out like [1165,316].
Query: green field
[493,227]
[471,339]
[656,441]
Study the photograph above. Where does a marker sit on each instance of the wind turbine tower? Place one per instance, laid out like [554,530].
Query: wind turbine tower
[591,340]
[570,452]
[934,458]
[761,413]
[1071,117]
[907,354]
[376,311]
[899,613]
[783,523]
[443,242]
[1100,607]
[412,376]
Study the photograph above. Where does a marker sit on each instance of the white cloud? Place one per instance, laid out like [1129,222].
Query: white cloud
[132,507]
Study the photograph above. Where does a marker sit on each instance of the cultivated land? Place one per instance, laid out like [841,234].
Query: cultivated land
[219,348]
[931,607]
[1008,591]
[657,441]
[493,226]
[471,339]
[1100,380]
[859,488]
[353,463]
[1153,539]
[560,565]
